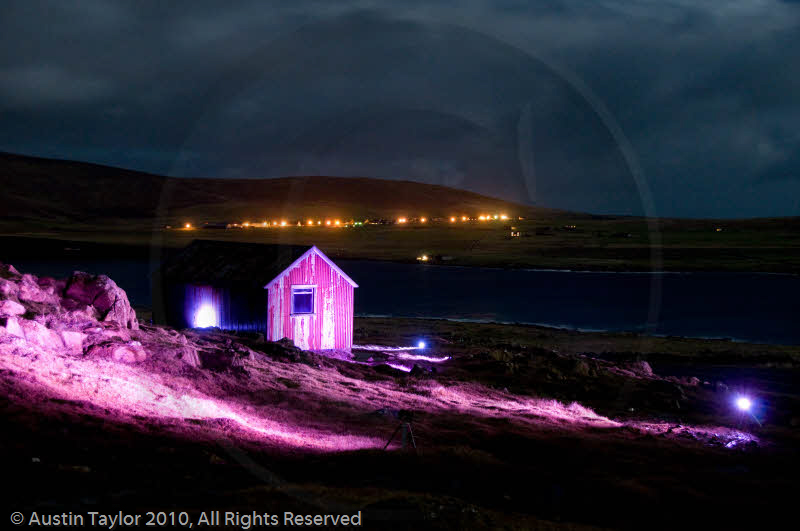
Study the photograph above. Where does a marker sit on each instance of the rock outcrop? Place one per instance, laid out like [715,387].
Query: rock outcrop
[8,308]
[86,315]
[104,295]
[74,315]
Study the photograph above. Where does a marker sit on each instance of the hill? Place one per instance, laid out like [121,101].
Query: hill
[59,191]
[76,201]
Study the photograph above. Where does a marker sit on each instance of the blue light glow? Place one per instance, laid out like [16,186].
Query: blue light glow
[744,403]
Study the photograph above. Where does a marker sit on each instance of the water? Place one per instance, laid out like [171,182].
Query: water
[743,306]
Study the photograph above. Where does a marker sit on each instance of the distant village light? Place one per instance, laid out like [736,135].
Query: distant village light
[310,222]
[503,216]
[337,222]
[401,220]
[423,220]
[283,223]
[188,225]
[327,222]
[463,218]
[452,219]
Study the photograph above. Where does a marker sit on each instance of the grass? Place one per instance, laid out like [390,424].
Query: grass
[483,461]
[615,244]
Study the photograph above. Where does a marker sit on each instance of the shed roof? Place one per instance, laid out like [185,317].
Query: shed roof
[231,263]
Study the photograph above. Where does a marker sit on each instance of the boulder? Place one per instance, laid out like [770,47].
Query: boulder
[82,287]
[8,289]
[124,315]
[42,311]
[39,334]
[113,331]
[188,355]
[8,271]
[11,326]
[81,317]
[52,285]
[104,294]
[641,368]
[8,308]
[73,341]
[130,352]
[29,291]
[104,334]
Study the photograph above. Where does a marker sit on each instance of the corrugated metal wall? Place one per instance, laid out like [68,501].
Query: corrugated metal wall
[241,310]
[331,325]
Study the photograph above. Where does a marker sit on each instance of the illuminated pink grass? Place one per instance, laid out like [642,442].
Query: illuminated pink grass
[383,348]
[422,357]
[316,413]
[399,367]
[130,390]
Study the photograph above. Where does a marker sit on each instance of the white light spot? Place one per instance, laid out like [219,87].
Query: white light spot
[205,317]
[743,403]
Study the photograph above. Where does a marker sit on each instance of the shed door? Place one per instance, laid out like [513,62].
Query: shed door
[301,335]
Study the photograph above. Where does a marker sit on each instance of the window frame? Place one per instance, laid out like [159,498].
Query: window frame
[313,288]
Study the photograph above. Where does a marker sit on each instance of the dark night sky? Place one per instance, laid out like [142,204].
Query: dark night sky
[555,102]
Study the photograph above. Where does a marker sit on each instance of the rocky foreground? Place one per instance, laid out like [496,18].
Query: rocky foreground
[508,434]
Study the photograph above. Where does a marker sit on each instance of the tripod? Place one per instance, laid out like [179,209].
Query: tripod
[406,427]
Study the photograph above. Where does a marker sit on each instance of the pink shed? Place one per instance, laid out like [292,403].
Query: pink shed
[311,303]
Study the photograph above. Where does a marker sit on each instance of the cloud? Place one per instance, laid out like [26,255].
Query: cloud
[707,92]
[46,85]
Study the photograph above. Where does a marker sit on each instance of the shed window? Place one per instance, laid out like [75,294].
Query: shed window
[302,299]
